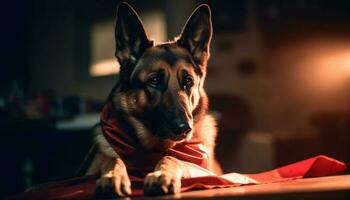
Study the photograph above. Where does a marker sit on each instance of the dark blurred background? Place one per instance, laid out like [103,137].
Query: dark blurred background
[278,80]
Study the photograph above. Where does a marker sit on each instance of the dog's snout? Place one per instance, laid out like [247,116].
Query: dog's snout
[182,128]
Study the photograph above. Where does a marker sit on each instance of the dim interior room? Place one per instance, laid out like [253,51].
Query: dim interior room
[278,81]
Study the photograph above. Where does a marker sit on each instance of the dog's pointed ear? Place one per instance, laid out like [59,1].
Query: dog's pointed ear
[131,38]
[197,33]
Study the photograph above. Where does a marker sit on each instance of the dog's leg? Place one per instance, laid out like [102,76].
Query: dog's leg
[166,178]
[114,180]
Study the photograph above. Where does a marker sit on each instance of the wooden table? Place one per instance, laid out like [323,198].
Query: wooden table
[331,187]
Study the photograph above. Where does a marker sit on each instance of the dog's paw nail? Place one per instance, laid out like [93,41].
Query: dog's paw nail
[122,186]
[104,188]
[112,187]
[160,183]
[125,188]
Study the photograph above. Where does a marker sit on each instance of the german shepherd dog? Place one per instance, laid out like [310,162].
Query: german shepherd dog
[160,96]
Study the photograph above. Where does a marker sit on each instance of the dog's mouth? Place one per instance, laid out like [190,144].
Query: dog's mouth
[178,138]
[175,132]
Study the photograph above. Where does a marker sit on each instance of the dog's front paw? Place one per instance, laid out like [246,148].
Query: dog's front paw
[112,186]
[160,183]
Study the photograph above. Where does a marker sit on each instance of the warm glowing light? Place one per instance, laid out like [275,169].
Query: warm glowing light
[324,67]
[339,60]
[333,68]
[105,67]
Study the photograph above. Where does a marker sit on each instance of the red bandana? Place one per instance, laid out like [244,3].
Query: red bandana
[139,162]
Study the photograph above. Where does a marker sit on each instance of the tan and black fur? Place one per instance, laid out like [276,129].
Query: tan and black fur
[161,98]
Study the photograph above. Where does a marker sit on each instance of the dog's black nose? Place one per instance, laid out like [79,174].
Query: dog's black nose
[183,128]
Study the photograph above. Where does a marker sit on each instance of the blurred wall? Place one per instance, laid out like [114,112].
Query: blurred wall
[59,48]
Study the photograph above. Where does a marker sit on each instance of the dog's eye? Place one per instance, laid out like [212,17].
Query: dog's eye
[188,82]
[154,81]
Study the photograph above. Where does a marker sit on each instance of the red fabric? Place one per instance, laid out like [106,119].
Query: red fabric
[138,161]
[313,167]
[83,187]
